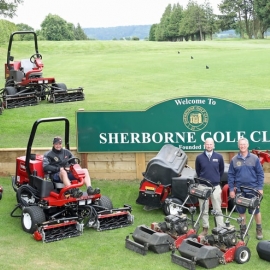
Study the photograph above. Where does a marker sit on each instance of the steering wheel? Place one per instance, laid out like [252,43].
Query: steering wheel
[73,160]
[34,57]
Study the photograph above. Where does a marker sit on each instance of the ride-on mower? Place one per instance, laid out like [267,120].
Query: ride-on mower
[168,235]
[225,244]
[167,175]
[50,211]
[25,84]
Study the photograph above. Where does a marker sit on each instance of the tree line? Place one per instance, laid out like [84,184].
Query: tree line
[249,18]
[53,27]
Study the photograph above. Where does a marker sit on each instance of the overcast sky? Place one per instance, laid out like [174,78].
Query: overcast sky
[97,13]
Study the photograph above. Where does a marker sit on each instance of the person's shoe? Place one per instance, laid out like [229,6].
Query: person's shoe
[259,234]
[91,191]
[76,193]
[243,228]
[204,232]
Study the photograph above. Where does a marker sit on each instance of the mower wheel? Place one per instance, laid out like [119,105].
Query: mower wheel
[105,202]
[25,196]
[31,216]
[60,86]
[9,82]
[0,195]
[242,254]
[11,90]
[169,210]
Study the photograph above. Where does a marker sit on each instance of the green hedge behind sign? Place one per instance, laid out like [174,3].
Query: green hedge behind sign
[184,122]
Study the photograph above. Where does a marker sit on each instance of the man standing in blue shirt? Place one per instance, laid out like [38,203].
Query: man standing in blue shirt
[246,170]
[210,166]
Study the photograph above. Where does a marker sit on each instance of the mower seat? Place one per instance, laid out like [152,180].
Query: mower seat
[58,185]
[29,69]
[26,65]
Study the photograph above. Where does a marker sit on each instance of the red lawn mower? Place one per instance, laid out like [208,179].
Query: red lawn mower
[225,244]
[168,235]
[50,211]
[25,84]
[167,176]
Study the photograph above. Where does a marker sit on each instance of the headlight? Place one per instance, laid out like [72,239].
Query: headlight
[82,202]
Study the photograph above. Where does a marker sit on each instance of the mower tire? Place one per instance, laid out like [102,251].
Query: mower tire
[31,216]
[25,196]
[105,202]
[0,195]
[166,209]
[61,86]
[11,91]
[242,254]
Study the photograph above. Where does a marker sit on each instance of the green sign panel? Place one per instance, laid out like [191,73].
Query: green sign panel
[184,122]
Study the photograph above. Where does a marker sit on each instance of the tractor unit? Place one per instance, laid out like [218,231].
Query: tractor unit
[25,84]
[49,210]
[167,176]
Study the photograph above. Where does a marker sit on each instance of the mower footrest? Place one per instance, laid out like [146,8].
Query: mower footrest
[184,262]
[136,247]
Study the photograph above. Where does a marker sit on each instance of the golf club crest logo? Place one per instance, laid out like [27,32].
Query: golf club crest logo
[195,118]
[238,163]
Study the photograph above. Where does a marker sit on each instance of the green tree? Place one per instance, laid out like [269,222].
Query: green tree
[194,22]
[231,15]
[152,32]
[161,32]
[55,28]
[262,10]
[6,28]
[24,27]
[244,11]
[175,18]
[79,33]
[211,19]
[8,8]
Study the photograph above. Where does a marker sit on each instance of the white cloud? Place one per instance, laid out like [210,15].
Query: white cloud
[97,13]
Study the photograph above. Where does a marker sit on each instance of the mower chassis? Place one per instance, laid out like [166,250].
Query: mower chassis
[160,239]
[239,252]
[52,213]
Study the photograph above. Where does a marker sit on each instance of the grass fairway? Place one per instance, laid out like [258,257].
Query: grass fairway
[119,75]
[100,250]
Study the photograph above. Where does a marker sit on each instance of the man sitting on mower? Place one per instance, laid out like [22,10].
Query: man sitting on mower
[56,164]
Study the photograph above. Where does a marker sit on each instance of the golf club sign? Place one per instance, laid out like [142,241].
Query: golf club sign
[184,122]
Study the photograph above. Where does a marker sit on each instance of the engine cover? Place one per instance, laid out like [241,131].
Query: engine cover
[175,225]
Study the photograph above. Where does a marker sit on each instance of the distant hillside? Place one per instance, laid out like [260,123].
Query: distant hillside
[118,32]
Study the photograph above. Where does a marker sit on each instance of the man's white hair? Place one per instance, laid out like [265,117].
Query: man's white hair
[243,139]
